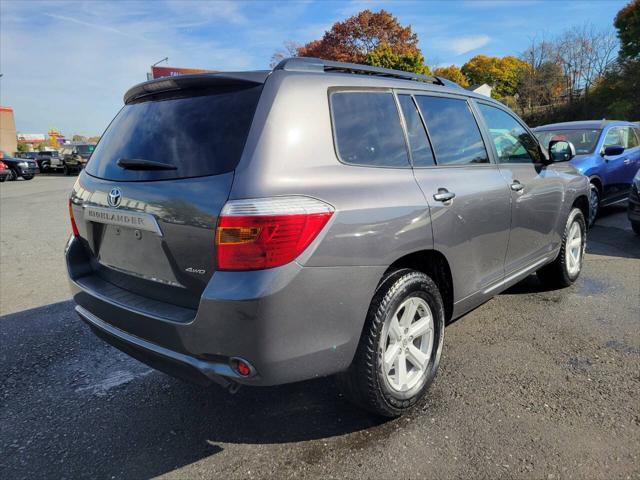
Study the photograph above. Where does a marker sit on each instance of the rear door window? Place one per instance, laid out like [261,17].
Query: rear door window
[453,130]
[421,153]
[201,134]
[367,129]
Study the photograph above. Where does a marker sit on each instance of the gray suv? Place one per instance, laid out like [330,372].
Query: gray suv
[267,227]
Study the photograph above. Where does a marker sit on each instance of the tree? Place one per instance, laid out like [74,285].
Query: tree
[627,22]
[22,147]
[290,49]
[78,138]
[383,56]
[503,74]
[368,37]
[453,73]
[93,139]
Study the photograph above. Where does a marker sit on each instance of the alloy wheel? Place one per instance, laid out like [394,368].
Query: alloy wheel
[573,249]
[406,344]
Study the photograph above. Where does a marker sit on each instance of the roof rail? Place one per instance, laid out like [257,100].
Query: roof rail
[310,64]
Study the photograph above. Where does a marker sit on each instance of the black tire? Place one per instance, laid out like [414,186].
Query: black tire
[28,177]
[364,383]
[557,274]
[636,227]
[594,205]
[14,175]
[2,179]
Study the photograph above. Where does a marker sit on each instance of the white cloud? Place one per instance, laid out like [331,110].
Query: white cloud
[462,45]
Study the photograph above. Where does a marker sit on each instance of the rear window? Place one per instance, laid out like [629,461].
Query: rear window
[367,129]
[200,135]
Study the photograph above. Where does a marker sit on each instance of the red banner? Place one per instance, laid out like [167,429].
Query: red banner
[159,72]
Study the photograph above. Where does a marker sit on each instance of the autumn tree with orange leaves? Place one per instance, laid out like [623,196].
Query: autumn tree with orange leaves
[372,38]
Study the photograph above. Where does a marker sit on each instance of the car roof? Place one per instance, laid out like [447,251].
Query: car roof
[365,75]
[581,124]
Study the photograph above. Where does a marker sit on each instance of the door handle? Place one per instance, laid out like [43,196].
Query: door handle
[516,186]
[443,195]
[627,161]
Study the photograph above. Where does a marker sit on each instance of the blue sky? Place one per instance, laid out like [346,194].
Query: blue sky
[67,64]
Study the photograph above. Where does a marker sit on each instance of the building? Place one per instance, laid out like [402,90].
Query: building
[8,139]
[483,89]
[31,140]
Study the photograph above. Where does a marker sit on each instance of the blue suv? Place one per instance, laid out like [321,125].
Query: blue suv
[606,151]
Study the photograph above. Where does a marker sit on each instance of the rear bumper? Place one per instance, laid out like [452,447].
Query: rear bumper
[168,361]
[290,323]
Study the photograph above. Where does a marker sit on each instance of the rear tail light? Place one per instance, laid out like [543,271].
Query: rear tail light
[263,233]
[74,227]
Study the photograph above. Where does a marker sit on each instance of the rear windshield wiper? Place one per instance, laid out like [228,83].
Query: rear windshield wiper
[141,164]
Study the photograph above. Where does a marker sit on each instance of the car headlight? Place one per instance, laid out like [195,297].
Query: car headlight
[23,164]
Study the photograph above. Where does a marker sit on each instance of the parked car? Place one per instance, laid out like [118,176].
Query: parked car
[633,206]
[48,160]
[608,152]
[19,167]
[72,160]
[262,228]
[5,172]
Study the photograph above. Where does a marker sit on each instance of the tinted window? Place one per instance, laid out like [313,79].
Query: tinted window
[200,135]
[513,143]
[418,141]
[453,131]
[367,129]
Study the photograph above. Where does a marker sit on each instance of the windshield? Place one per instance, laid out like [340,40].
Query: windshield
[583,140]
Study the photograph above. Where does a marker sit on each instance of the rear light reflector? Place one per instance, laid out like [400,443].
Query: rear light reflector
[268,232]
[74,227]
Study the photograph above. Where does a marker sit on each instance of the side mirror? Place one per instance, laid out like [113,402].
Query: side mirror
[613,150]
[561,150]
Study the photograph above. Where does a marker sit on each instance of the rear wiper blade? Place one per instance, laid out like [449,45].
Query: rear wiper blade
[141,164]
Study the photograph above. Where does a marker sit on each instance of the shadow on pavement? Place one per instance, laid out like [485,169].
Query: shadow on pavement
[602,239]
[612,235]
[72,406]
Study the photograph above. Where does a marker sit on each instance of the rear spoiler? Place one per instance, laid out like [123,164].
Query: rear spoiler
[197,80]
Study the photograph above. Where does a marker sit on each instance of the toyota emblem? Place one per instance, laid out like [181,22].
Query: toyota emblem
[115,197]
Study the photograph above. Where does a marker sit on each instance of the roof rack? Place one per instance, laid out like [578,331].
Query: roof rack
[310,64]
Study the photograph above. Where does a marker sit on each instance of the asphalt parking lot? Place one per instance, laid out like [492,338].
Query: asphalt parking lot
[533,384]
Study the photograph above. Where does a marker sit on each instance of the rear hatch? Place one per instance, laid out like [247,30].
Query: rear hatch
[147,204]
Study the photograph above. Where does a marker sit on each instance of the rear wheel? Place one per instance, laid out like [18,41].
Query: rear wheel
[27,177]
[594,205]
[400,346]
[565,269]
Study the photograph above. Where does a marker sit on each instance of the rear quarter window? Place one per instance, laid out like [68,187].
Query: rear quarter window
[367,129]
[200,134]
